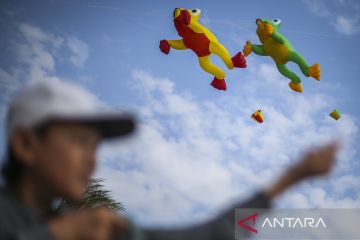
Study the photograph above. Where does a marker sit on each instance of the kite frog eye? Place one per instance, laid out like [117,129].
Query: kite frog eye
[277,21]
[195,12]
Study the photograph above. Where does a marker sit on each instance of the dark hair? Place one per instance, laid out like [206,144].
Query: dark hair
[13,167]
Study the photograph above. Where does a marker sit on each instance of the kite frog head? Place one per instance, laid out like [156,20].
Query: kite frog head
[185,16]
[266,28]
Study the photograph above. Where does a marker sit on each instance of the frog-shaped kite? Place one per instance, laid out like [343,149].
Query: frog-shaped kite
[199,39]
[281,51]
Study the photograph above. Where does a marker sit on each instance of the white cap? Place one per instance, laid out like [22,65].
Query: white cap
[46,101]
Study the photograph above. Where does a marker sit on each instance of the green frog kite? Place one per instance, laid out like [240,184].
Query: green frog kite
[281,51]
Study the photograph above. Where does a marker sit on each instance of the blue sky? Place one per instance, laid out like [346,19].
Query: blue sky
[197,148]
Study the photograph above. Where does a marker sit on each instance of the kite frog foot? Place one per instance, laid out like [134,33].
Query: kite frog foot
[239,60]
[164,46]
[314,71]
[247,48]
[219,84]
[295,86]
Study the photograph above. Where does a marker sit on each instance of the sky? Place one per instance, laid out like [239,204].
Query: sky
[197,150]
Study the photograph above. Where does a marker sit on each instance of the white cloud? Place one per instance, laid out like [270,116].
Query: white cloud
[317,7]
[8,85]
[37,53]
[205,20]
[34,51]
[346,183]
[342,2]
[35,34]
[8,82]
[191,157]
[40,50]
[346,26]
[80,51]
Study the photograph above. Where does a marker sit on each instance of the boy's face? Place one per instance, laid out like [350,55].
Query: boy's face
[64,159]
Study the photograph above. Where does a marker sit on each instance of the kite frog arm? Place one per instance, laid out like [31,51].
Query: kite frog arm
[177,44]
[258,49]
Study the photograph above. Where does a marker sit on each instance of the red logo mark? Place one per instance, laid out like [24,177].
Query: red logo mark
[251,217]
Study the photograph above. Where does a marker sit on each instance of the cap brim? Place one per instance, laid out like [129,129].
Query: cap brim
[109,126]
[113,126]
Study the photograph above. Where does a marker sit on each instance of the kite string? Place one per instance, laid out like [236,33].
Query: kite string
[239,23]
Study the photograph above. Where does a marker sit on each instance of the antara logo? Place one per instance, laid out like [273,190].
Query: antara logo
[284,222]
[251,217]
[291,222]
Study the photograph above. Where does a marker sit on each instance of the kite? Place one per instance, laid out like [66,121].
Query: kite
[275,45]
[258,116]
[200,40]
[335,114]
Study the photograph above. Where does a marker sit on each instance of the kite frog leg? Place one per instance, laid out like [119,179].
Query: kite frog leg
[295,83]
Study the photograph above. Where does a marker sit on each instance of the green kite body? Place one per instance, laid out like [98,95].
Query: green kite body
[275,45]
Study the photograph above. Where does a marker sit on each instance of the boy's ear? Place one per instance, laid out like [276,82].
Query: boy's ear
[23,143]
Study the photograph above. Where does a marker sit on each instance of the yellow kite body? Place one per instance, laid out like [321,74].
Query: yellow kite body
[203,43]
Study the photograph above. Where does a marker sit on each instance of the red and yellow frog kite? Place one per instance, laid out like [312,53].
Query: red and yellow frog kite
[199,39]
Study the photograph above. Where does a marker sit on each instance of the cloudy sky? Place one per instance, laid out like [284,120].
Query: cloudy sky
[197,149]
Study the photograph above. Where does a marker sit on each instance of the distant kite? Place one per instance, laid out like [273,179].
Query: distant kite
[335,114]
[203,42]
[281,51]
[258,116]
